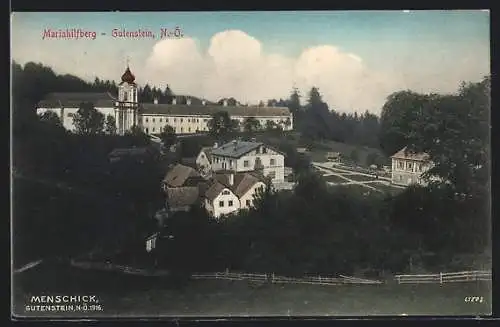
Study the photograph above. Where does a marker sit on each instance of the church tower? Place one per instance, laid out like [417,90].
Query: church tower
[127,106]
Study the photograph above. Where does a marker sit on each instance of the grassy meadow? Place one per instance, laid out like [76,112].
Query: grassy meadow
[127,296]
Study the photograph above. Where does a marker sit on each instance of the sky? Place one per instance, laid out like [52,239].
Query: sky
[355,58]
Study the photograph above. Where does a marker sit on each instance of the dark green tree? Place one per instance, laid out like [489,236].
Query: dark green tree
[400,113]
[88,120]
[168,136]
[221,124]
[251,124]
[354,155]
[52,118]
[110,125]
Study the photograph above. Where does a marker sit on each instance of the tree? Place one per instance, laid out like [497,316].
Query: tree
[110,125]
[168,136]
[251,124]
[372,159]
[270,125]
[137,136]
[294,101]
[455,133]
[399,115]
[354,156]
[52,118]
[221,124]
[147,94]
[88,120]
[287,123]
[317,117]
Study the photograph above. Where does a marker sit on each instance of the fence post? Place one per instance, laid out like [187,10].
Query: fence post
[440,278]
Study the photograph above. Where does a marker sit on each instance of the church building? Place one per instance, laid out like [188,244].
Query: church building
[185,114]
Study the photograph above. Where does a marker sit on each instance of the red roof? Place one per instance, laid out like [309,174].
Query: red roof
[128,77]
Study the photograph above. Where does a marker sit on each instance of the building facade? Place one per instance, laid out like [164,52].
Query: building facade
[184,114]
[244,156]
[230,192]
[407,167]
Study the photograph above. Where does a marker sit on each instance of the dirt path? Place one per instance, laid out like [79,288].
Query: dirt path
[329,172]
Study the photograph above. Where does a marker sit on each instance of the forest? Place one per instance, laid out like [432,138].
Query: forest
[314,229]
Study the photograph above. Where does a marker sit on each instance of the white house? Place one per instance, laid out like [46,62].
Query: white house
[204,161]
[408,167]
[151,242]
[244,156]
[184,114]
[229,192]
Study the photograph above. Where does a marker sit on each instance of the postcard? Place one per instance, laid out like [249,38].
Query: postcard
[250,164]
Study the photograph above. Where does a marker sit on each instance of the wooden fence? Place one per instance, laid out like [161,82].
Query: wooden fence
[272,278]
[441,278]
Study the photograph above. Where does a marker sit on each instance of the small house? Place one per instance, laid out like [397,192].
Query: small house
[408,167]
[229,192]
[334,156]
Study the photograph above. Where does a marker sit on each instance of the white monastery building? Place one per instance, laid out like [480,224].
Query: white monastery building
[190,115]
[408,167]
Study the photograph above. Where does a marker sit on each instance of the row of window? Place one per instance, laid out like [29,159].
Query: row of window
[246,163]
[188,130]
[230,203]
[409,166]
[189,120]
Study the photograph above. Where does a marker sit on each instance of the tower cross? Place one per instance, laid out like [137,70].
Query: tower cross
[128,61]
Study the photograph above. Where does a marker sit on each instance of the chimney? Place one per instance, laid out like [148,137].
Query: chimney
[231,179]
[224,103]
[188,101]
[174,100]
[155,101]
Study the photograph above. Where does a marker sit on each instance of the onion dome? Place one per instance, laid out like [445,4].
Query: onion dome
[128,77]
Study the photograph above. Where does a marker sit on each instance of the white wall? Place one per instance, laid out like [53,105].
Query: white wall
[202,160]
[238,165]
[68,113]
[263,120]
[154,123]
[226,209]
[407,171]
[250,195]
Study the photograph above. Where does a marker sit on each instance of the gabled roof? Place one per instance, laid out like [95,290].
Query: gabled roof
[405,154]
[214,190]
[182,196]
[235,149]
[74,99]
[208,152]
[241,184]
[209,110]
[189,161]
[178,175]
